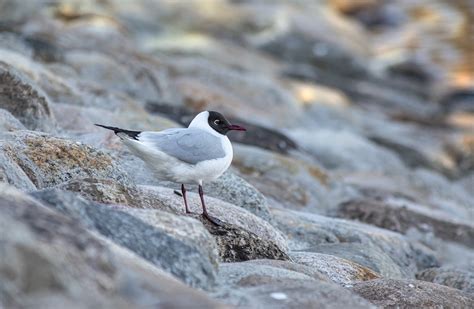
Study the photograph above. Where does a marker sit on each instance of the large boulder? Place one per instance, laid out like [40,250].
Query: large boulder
[52,261]
[196,265]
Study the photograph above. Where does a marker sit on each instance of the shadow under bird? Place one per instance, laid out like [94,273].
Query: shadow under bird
[199,153]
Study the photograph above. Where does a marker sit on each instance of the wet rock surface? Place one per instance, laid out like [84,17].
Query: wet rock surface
[355,176]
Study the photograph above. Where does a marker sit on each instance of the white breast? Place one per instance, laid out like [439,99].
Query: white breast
[208,170]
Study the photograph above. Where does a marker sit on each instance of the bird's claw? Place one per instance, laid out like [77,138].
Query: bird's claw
[211,219]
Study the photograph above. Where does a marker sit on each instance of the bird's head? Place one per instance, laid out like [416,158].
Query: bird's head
[215,121]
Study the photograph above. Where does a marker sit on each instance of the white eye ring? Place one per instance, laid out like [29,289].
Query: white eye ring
[217,121]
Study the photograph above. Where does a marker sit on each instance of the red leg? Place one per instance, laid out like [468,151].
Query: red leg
[183,191]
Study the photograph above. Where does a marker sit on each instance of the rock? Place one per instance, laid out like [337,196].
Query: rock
[8,122]
[25,100]
[223,211]
[346,151]
[291,293]
[338,270]
[366,255]
[288,265]
[459,277]
[183,228]
[290,182]
[388,293]
[236,244]
[166,250]
[250,274]
[49,161]
[400,214]
[307,230]
[51,261]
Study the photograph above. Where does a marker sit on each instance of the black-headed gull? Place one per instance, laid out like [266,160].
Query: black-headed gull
[199,153]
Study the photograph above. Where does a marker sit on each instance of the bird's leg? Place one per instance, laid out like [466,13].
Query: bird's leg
[183,192]
[205,214]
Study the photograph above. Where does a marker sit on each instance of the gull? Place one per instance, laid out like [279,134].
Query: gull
[199,153]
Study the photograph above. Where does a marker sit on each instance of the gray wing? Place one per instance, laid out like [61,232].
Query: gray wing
[188,145]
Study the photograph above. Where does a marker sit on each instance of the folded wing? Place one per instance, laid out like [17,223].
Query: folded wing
[188,145]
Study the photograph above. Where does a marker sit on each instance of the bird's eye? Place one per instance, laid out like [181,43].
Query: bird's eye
[217,121]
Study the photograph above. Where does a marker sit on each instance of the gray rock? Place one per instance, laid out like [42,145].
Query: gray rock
[306,231]
[400,214]
[291,293]
[183,259]
[51,261]
[338,270]
[250,274]
[288,265]
[25,100]
[366,255]
[8,122]
[186,229]
[460,277]
[49,161]
[389,293]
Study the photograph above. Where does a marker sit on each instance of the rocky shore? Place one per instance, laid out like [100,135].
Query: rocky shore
[352,188]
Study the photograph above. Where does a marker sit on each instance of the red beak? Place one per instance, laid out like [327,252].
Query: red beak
[236,128]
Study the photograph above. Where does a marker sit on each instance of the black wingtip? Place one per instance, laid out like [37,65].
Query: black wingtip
[132,134]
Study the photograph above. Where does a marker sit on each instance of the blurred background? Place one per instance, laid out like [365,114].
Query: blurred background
[410,61]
